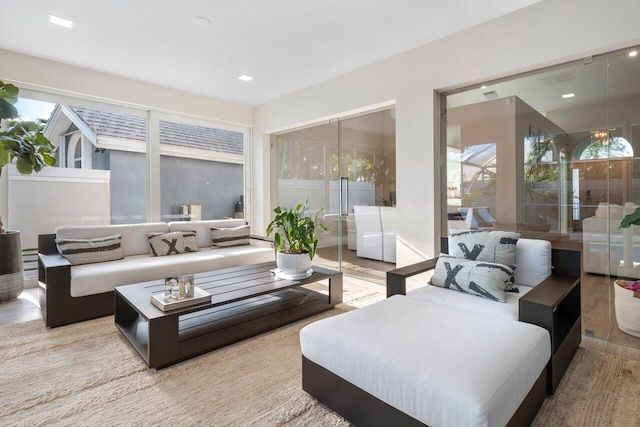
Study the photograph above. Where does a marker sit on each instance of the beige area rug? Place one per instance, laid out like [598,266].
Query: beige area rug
[87,374]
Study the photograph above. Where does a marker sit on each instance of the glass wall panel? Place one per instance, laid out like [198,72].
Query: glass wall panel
[553,154]
[347,168]
[621,139]
[201,171]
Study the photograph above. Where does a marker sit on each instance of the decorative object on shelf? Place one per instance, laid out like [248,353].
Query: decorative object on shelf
[24,142]
[627,305]
[296,241]
[239,208]
[171,298]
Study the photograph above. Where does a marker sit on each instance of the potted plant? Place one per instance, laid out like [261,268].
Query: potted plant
[295,238]
[23,142]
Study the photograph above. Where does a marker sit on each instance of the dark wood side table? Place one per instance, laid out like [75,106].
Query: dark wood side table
[555,306]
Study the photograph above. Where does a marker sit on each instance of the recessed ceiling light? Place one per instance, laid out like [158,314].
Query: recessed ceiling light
[568,95]
[201,20]
[245,78]
[483,87]
[60,21]
[633,53]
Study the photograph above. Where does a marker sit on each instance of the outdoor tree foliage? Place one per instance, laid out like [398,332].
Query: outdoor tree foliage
[21,140]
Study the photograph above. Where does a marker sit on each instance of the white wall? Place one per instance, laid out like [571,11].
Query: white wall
[546,33]
[41,202]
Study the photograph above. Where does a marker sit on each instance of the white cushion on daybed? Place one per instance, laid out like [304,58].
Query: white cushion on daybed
[442,366]
[472,303]
[89,279]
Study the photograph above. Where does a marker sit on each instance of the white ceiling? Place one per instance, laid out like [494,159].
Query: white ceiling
[612,76]
[287,45]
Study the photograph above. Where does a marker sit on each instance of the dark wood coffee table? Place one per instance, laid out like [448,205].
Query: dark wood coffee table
[245,301]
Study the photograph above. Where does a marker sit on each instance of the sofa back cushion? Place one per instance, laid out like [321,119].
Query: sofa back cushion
[134,236]
[203,228]
[533,261]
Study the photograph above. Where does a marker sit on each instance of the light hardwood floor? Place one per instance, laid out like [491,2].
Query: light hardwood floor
[22,309]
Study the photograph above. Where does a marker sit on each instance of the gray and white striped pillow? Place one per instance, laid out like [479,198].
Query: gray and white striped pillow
[484,279]
[223,237]
[87,251]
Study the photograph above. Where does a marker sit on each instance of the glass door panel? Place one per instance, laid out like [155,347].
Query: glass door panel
[347,168]
[308,168]
[621,142]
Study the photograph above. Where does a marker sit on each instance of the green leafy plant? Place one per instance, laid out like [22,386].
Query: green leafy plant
[294,230]
[631,219]
[22,141]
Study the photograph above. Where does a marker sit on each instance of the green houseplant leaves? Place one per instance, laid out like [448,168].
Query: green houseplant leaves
[294,230]
[21,140]
[631,219]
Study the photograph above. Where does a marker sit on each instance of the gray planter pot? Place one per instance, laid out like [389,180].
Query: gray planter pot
[11,274]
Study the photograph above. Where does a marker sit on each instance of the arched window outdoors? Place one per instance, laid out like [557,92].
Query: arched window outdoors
[598,146]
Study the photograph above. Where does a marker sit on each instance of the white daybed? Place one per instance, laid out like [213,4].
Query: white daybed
[435,356]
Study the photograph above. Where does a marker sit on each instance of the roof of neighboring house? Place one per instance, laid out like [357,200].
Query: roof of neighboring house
[131,127]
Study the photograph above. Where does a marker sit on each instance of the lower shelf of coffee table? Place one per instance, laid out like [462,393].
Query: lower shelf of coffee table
[205,330]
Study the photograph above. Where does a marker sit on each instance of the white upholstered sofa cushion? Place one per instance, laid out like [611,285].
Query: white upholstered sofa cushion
[471,303]
[89,279]
[442,366]
[533,261]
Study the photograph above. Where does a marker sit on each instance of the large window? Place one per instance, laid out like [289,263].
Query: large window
[201,171]
[105,173]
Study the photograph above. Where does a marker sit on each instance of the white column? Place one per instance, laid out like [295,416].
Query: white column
[153,167]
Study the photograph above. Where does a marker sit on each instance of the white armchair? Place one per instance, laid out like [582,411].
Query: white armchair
[608,249]
[376,232]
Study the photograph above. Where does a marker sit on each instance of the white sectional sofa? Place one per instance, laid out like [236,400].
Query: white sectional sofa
[376,232]
[608,249]
[72,293]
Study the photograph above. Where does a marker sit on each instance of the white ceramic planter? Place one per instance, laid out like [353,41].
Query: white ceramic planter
[627,305]
[294,265]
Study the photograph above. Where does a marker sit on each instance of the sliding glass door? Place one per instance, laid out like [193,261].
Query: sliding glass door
[553,154]
[345,168]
